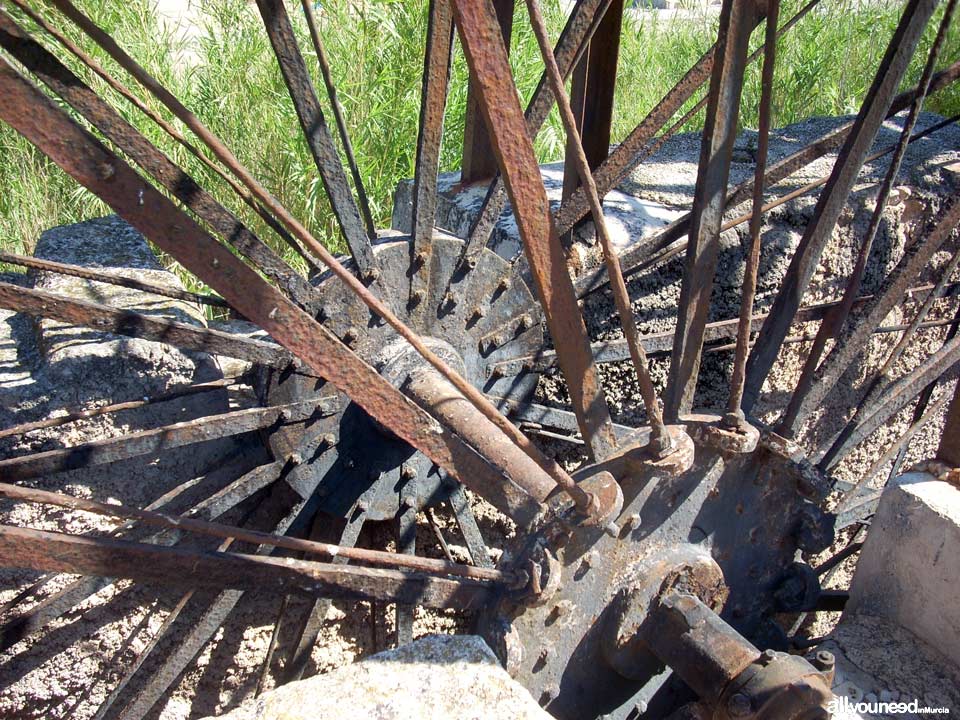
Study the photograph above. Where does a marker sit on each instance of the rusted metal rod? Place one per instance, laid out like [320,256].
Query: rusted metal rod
[660,438]
[300,232]
[797,410]
[749,288]
[203,527]
[169,129]
[105,277]
[75,415]
[214,570]
[337,109]
[489,65]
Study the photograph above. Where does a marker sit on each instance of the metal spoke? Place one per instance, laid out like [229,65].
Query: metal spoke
[175,134]
[156,440]
[41,303]
[467,523]
[317,134]
[309,629]
[436,76]
[54,551]
[641,143]
[852,336]
[738,18]
[749,288]
[74,415]
[894,398]
[573,42]
[476,24]
[659,438]
[802,400]
[167,173]
[162,222]
[217,530]
[290,325]
[850,495]
[835,193]
[337,110]
[406,525]
[109,278]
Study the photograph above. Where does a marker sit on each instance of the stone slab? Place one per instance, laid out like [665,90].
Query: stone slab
[437,677]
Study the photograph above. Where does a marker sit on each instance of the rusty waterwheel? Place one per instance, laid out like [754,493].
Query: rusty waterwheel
[403,379]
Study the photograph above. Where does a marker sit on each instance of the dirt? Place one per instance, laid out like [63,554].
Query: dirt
[69,671]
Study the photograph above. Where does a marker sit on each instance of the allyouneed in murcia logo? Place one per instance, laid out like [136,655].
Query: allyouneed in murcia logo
[844,707]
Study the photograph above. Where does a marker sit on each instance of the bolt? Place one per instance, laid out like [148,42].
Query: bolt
[421,258]
[640,707]
[612,529]
[479,312]
[545,653]
[417,297]
[409,501]
[525,322]
[449,299]
[373,275]
[528,365]
[733,420]
[769,655]
[363,505]
[351,335]
[824,661]
[738,705]
[106,170]
[471,261]
[503,285]
[589,560]
[215,262]
[407,472]
[632,522]
[328,440]
[496,372]
[296,458]
[349,464]
[273,313]
[283,416]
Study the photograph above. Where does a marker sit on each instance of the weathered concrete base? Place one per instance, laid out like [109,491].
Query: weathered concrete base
[909,568]
[439,676]
[899,639]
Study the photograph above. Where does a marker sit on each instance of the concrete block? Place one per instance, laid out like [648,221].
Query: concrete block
[909,566]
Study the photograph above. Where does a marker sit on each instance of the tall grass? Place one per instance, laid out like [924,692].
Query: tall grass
[375,47]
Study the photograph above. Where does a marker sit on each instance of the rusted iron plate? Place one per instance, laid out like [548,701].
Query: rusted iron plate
[834,196]
[133,324]
[316,132]
[172,177]
[738,18]
[157,440]
[436,78]
[77,152]
[477,26]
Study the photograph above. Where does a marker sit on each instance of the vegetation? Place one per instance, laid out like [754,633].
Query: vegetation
[375,46]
